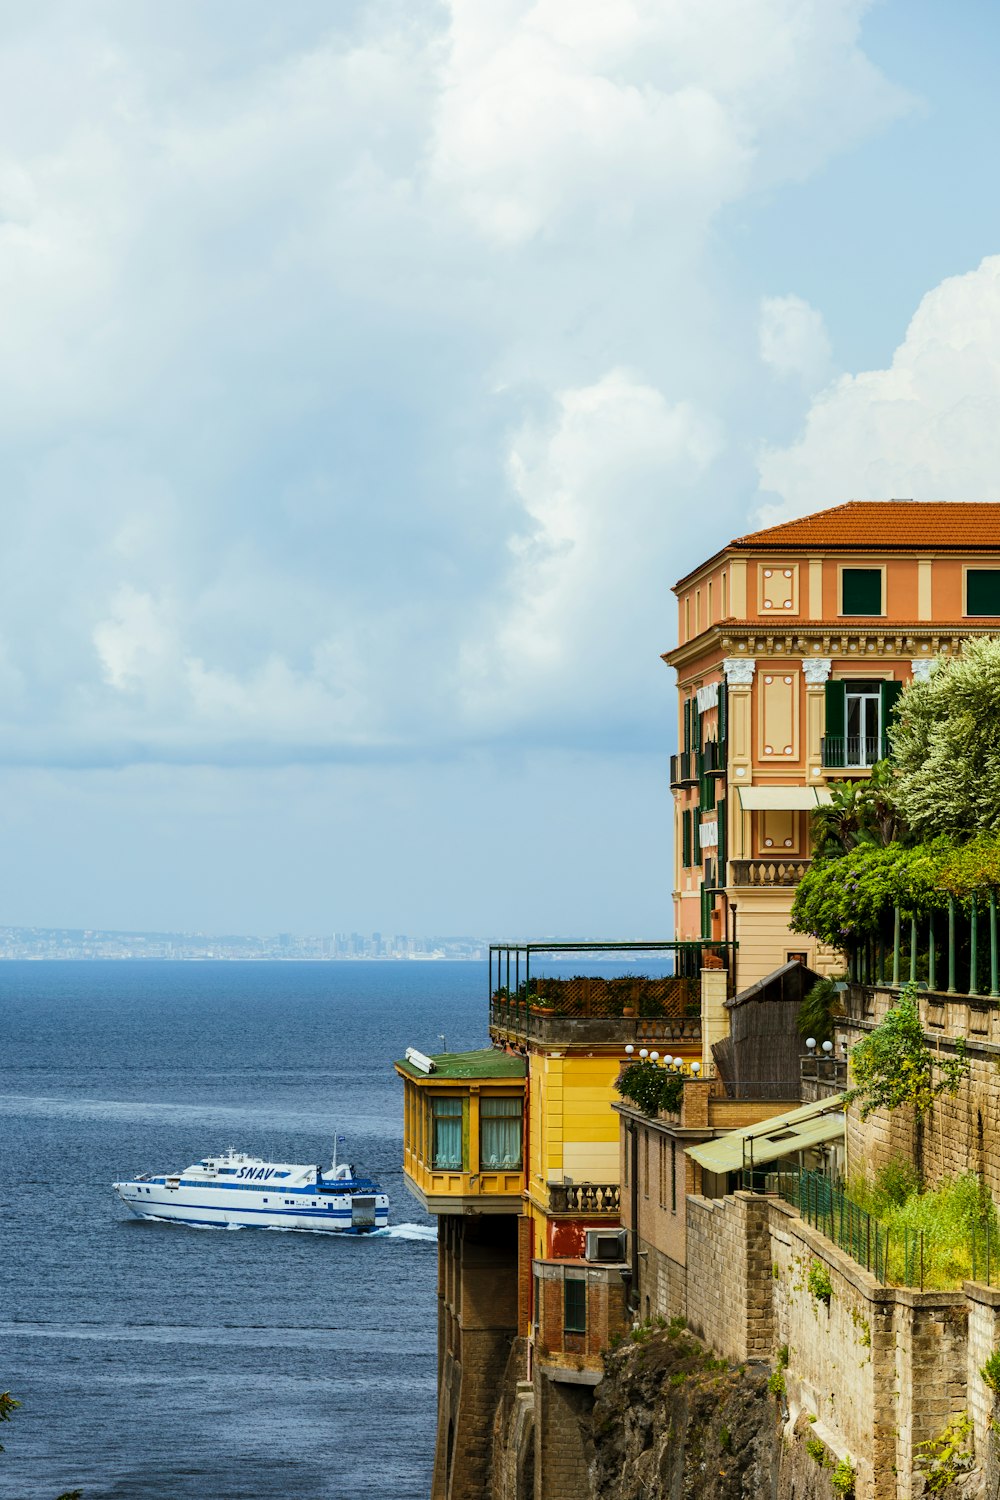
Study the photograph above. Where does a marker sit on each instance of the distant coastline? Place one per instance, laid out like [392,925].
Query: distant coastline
[32,943]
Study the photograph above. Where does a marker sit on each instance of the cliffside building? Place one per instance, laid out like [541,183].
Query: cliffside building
[794,644]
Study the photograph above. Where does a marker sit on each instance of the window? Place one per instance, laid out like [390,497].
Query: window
[861,591]
[857,716]
[447,1121]
[982,591]
[645,1163]
[663,1172]
[673,1177]
[574,1305]
[499,1134]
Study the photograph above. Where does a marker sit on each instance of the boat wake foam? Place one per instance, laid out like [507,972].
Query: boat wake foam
[426,1233]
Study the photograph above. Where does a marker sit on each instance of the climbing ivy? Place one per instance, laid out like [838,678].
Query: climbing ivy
[893,1065]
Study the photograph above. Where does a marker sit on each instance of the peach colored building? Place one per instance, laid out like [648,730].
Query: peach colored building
[794,644]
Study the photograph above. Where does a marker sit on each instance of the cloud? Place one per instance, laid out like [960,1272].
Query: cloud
[794,340]
[586,584]
[360,366]
[923,429]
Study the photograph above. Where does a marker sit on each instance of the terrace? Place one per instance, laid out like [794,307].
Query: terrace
[601,1008]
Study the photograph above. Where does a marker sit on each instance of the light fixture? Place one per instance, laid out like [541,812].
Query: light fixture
[696,1068]
[811,1043]
[828,1048]
[654,1057]
[643,1051]
[629,1049]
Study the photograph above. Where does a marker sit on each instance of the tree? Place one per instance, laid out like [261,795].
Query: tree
[946,746]
[894,1066]
[859,814]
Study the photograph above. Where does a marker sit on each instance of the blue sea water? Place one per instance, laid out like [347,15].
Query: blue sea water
[156,1362]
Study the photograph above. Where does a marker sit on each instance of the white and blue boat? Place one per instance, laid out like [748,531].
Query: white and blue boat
[243,1192]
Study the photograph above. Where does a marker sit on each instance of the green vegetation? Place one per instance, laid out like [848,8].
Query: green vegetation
[844,1478]
[783,1357]
[776,1382]
[725,1439]
[651,1088]
[819,1009]
[942,1459]
[954,1218]
[893,1065]
[946,746]
[819,1283]
[990,1372]
[816,1449]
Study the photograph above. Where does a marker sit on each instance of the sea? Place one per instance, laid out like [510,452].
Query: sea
[156,1362]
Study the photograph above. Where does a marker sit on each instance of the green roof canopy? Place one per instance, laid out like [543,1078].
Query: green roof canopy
[783,1135]
[489,1062]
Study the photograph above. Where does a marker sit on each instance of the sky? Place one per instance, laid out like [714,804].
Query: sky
[370,372]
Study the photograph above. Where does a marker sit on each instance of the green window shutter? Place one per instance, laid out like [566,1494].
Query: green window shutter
[836,707]
[723,716]
[889,696]
[686,839]
[861,591]
[982,591]
[721,815]
[687,723]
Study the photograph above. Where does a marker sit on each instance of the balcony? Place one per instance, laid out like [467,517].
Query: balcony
[683,769]
[852,752]
[595,1008]
[585,1199]
[713,758]
[764,874]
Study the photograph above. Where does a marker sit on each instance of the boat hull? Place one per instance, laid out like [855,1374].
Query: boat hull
[196,1206]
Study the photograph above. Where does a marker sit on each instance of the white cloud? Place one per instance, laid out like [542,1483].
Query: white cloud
[598,484]
[924,429]
[305,350]
[794,340]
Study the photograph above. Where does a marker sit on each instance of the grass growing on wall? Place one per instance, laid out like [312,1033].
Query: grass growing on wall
[957,1219]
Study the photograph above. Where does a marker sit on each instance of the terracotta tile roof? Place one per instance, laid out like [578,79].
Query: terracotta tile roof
[888,525]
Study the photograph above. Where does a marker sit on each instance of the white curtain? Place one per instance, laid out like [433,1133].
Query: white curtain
[499,1134]
[448,1135]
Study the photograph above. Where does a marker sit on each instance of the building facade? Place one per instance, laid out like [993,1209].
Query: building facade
[794,645]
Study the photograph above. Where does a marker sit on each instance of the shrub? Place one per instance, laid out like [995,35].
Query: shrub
[990,1372]
[893,1065]
[942,1459]
[816,1449]
[843,1478]
[651,1088]
[819,1283]
[776,1382]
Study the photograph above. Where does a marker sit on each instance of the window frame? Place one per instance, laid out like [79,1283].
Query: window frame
[462,1100]
[518,1115]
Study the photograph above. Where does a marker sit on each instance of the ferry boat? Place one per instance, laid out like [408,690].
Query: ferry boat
[244,1191]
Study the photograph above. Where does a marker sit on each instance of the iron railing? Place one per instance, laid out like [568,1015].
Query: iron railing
[683,768]
[713,758]
[895,1255]
[841,752]
[512,984]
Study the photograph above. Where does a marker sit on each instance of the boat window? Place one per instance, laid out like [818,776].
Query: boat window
[227,1171]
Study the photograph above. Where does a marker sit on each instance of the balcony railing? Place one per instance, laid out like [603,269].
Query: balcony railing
[684,768]
[769,872]
[844,752]
[713,758]
[620,1007]
[589,1198]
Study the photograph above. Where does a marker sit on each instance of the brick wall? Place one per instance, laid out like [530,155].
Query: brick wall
[563,1446]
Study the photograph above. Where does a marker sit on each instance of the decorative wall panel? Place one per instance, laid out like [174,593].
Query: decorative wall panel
[778,716]
[779,589]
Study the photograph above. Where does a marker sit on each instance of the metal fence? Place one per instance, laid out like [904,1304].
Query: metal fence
[940,1260]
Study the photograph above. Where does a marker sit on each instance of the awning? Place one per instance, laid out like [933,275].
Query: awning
[782,798]
[784,1135]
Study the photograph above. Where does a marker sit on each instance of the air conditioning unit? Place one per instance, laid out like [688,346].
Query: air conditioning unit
[605,1244]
